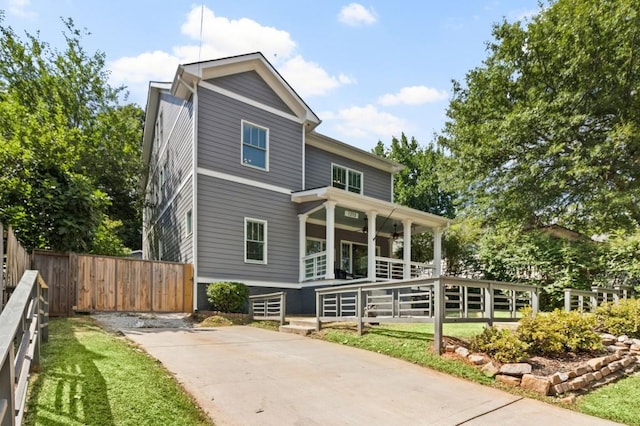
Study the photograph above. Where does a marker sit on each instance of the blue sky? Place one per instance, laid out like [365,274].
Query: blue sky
[370,70]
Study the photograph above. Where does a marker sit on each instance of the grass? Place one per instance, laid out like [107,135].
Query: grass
[90,377]
[409,342]
[617,401]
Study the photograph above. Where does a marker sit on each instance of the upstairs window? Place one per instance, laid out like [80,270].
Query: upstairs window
[255,146]
[255,238]
[347,179]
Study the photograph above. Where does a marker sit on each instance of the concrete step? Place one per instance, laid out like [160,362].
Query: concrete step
[303,322]
[297,329]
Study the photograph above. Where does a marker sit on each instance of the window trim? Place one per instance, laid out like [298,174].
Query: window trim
[242,145]
[265,242]
[347,171]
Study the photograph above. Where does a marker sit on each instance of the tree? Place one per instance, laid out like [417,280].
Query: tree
[547,129]
[69,152]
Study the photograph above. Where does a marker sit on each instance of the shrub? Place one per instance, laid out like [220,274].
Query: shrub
[228,296]
[621,318]
[502,345]
[558,331]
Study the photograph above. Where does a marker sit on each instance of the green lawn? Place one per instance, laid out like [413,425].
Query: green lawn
[617,401]
[90,377]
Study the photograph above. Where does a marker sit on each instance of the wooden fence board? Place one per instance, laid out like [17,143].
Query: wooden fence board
[88,283]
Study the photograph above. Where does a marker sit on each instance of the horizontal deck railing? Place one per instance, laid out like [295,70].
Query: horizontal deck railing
[268,307]
[589,300]
[438,300]
[23,322]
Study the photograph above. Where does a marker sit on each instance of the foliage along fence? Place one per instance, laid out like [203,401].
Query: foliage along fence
[16,260]
[23,322]
[88,283]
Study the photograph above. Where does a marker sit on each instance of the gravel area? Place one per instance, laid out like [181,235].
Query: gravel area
[128,320]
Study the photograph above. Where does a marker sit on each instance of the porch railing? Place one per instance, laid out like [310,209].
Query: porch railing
[588,301]
[315,266]
[393,269]
[268,307]
[438,300]
[23,322]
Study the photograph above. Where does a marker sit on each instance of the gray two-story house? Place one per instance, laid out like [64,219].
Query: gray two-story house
[239,183]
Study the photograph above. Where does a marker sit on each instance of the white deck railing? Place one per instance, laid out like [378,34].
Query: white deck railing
[315,266]
[438,300]
[393,269]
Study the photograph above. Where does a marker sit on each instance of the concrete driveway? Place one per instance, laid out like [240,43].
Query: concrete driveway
[250,376]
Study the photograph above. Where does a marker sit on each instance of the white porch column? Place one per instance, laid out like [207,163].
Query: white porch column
[371,246]
[330,236]
[302,242]
[406,248]
[437,251]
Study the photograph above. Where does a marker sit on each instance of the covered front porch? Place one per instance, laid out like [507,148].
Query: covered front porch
[348,237]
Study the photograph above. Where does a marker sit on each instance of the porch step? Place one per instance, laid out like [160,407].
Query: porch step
[302,330]
[302,322]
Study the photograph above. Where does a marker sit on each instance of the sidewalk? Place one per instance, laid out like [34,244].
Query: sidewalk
[249,376]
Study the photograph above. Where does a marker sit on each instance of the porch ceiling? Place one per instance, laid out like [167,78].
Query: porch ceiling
[363,203]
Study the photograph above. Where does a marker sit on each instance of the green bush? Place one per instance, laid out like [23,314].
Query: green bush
[502,345]
[228,296]
[621,318]
[558,331]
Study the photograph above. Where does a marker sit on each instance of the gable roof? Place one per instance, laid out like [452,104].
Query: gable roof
[191,74]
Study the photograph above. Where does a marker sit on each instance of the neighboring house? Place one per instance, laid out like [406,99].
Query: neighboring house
[239,183]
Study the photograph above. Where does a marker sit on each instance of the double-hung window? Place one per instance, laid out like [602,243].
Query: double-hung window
[255,146]
[347,179]
[255,241]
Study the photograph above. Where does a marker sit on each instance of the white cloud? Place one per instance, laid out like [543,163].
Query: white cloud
[222,37]
[366,121]
[413,95]
[355,14]
[308,78]
[521,15]
[20,8]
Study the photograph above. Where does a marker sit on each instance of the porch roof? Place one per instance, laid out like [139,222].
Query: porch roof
[365,203]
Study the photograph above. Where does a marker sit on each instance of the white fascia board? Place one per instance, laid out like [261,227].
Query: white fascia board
[362,202]
[337,147]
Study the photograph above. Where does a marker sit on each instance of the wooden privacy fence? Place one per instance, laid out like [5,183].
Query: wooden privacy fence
[16,260]
[88,283]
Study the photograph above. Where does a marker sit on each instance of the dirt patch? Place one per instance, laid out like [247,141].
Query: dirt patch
[546,366]
[128,320]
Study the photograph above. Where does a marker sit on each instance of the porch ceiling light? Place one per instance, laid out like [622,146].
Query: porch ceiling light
[365,228]
[395,234]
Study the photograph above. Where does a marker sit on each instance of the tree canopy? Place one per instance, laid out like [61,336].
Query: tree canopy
[69,150]
[547,129]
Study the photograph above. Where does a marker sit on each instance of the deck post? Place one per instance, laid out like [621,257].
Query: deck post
[535,300]
[488,307]
[438,317]
[318,311]
[567,300]
[437,252]
[359,310]
[283,306]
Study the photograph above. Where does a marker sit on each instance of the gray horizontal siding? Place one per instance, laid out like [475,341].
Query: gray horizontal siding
[376,183]
[220,143]
[250,85]
[171,229]
[222,207]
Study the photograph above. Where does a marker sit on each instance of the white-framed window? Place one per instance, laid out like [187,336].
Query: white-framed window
[255,240]
[159,129]
[255,146]
[354,257]
[346,178]
[315,245]
[188,223]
